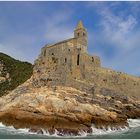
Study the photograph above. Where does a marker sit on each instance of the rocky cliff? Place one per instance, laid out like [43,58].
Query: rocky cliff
[66,109]
[69,108]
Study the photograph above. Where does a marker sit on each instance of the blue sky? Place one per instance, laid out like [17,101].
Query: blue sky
[113,30]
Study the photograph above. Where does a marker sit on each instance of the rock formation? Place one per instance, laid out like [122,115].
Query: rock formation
[69,91]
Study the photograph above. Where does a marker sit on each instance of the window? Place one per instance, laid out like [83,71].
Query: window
[52,53]
[78,56]
[65,60]
[78,34]
[83,34]
[92,59]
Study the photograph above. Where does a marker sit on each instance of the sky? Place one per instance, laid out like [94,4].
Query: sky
[113,30]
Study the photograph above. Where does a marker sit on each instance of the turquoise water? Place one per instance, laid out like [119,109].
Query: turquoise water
[131,132]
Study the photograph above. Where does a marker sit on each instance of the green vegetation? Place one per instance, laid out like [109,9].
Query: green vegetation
[19,73]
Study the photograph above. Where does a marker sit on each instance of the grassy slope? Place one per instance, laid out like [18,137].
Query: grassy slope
[19,72]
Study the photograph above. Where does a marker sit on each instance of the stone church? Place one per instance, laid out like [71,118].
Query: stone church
[68,63]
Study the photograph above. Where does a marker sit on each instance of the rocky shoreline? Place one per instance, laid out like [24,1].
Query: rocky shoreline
[66,109]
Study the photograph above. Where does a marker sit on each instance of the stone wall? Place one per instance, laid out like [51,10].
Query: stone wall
[67,63]
[62,60]
[59,65]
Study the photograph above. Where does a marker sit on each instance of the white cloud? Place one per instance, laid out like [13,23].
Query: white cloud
[118,30]
[121,33]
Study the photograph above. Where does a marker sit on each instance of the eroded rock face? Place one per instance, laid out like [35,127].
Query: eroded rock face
[65,109]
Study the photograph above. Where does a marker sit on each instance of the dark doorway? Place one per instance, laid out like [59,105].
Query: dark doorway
[78,59]
[65,60]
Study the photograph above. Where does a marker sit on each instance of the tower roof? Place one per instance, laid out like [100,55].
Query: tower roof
[80,25]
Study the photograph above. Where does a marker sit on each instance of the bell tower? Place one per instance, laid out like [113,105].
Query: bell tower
[80,33]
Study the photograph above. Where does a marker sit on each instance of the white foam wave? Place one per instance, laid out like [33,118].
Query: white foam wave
[25,130]
[109,130]
[133,123]
[12,130]
[83,133]
[1,124]
[46,132]
[56,133]
[4,126]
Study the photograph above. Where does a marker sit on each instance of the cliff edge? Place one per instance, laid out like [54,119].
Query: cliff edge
[66,109]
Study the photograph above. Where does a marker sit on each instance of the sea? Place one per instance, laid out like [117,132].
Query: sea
[130,132]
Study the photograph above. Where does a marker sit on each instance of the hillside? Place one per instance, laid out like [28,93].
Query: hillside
[12,73]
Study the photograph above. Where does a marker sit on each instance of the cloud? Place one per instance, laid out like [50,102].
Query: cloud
[59,26]
[118,30]
[25,42]
[119,38]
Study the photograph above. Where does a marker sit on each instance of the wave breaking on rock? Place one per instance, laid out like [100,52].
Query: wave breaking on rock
[133,123]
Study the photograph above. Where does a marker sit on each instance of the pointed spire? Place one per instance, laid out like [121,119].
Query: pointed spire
[80,25]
